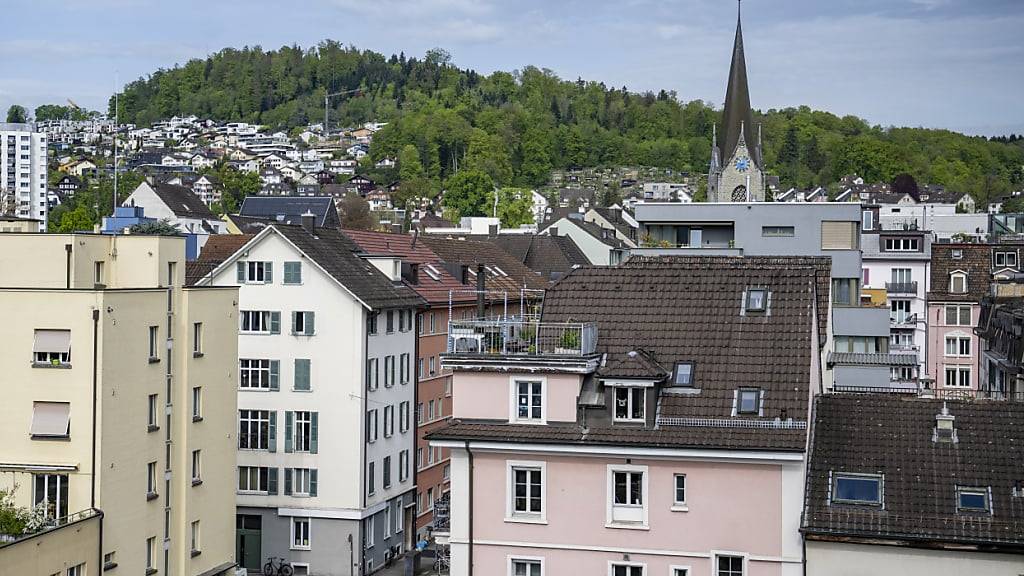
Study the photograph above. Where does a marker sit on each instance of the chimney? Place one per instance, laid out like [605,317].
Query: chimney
[309,222]
[944,431]
[414,273]
[481,286]
[464,273]
[492,230]
[553,231]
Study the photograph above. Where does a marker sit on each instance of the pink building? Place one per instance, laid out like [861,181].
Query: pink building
[654,423]
[961,275]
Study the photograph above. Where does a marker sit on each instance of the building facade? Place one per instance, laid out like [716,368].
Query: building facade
[121,396]
[23,170]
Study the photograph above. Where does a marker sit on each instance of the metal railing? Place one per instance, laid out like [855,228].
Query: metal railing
[903,319]
[901,287]
[968,395]
[48,525]
[885,522]
[520,337]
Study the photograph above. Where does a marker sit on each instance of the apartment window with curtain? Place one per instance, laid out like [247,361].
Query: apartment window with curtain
[50,491]
[845,292]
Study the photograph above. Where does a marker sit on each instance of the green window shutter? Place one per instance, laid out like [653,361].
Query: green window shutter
[275,374]
[295,323]
[369,374]
[302,374]
[293,272]
[289,423]
[298,272]
[314,426]
[287,481]
[312,479]
[240,268]
[272,481]
[309,323]
[268,272]
[273,432]
[275,322]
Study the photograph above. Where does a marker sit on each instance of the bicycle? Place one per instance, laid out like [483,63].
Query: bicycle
[283,567]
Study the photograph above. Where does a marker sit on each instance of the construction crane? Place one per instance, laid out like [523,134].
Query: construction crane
[327,99]
[73,105]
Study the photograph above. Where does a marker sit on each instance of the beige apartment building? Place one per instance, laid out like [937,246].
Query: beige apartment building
[119,395]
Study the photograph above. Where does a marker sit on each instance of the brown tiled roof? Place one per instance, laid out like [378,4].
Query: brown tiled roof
[976,261]
[892,435]
[473,252]
[635,364]
[550,256]
[218,248]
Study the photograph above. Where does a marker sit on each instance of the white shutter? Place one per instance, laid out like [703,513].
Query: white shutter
[838,236]
[57,341]
[50,418]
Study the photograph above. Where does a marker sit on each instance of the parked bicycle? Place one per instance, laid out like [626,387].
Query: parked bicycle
[277,567]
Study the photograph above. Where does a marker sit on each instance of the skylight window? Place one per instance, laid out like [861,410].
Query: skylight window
[972,499]
[500,271]
[432,272]
[857,489]
[757,299]
[748,401]
[683,374]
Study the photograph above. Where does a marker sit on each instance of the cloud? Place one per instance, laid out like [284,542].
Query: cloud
[411,9]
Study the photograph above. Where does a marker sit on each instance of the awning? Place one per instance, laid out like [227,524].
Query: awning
[52,341]
[50,418]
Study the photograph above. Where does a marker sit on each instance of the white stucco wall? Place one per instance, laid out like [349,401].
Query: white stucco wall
[840,559]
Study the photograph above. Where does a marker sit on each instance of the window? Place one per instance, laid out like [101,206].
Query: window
[152,423]
[371,323]
[958,283]
[419,458]
[404,368]
[371,482]
[627,502]
[958,376]
[389,371]
[254,478]
[301,379]
[50,491]
[371,425]
[293,272]
[77,570]
[433,323]
[387,521]
[433,369]
[197,403]
[52,347]
[958,346]
[1006,259]
[446,472]
[838,235]
[525,567]
[620,569]
[957,254]
[403,417]
[403,465]
[728,565]
[51,420]
[300,534]
[867,221]
[154,351]
[303,323]
[902,244]
[679,492]
[419,367]
[97,272]
[372,375]
[972,499]
[777,231]
[529,401]
[195,538]
[110,561]
[419,413]
[197,466]
[899,311]
[300,481]
[258,373]
[390,321]
[958,315]
[526,491]
[197,339]
[844,291]
[683,374]
[386,472]
[629,404]
[151,480]
[255,272]
[256,429]
[419,324]
[857,489]
[430,498]
[304,434]
[151,554]
[401,321]
[748,401]
[902,275]
[756,300]
[261,322]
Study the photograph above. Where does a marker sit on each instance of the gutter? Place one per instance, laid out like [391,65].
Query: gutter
[95,401]
[469,453]
[67,266]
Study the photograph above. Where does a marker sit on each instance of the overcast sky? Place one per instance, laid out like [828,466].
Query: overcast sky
[955,64]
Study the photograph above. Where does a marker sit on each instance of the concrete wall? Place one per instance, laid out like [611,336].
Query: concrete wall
[54,551]
[861,376]
[328,537]
[841,559]
[860,321]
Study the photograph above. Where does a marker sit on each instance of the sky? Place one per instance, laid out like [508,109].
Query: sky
[956,64]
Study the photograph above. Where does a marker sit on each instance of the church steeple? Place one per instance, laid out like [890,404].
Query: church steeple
[737,119]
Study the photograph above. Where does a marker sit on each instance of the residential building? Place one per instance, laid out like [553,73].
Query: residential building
[549,255]
[325,401]
[68,547]
[923,487]
[289,210]
[605,438]
[23,170]
[207,188]
[119,397]
[601,244]
[18,224]
[180,207]
[961,276]
[999,328]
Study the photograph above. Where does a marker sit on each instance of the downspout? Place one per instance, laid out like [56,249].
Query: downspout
[100,546]
[67,266]
[469,454]
[95,400]
[363,404]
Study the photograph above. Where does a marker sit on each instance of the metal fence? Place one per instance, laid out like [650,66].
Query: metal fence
[521,337]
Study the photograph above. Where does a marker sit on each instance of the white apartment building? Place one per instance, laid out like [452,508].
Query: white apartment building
[23,170]
[325,394]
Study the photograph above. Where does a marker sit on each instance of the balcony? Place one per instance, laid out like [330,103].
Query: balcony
[903,320]
[516,337]
[901,288]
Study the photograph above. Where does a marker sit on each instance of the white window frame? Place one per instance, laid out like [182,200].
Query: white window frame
[957,340]
[248,476]
[511,515]
[952,283]
[679,505]
[511,560]
[309,534]
[264,321]
[960,370]
[254,366]
[513,397]
[302,481]
[612,564]
[255,416]
[255,268]
[610,505]
[687,570]
[716,553]
[305,424]
[630,400]
[1003,261]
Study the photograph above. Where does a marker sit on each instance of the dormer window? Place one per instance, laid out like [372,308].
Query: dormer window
[683,374]
[1006,259]
[972,499]
[757,299]
[958,283]
[748,401]
[629,404]
[957,254]
[865,489]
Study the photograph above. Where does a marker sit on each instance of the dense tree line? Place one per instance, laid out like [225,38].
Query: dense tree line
[517,127]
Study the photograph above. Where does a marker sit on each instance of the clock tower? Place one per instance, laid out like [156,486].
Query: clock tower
[736,173]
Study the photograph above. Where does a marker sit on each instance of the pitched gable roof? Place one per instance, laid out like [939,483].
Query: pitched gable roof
[289,209]
[218,248]
[975,260]
[181,201]
[472,252]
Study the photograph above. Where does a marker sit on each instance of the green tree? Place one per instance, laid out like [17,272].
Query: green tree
[469,193]
[409,165]
[355,213]
[161,227]
[17,114]
[536,165]
[515,206]
[487,153]
[81,218]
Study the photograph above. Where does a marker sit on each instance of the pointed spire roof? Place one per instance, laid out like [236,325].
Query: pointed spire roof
[736,116]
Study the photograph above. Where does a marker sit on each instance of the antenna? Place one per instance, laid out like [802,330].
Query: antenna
[117,112]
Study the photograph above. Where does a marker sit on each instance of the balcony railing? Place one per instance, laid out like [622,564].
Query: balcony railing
[518,337]
[903,319]
[901,287]
[48,524]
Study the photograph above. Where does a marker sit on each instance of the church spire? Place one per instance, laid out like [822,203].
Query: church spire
[737,119]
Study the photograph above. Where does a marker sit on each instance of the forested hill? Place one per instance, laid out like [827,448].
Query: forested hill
[518,126]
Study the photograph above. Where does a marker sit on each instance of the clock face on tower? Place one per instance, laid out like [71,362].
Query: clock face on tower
[743,163]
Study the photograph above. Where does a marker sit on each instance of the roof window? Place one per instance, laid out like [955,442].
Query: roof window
[957,254]
[748,401]
[863,489]
[756,300]
[972,499]
[683,375]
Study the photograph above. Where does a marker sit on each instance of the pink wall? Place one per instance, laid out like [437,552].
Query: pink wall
[486,395]
[937,331]
[493,561]
[731,507]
